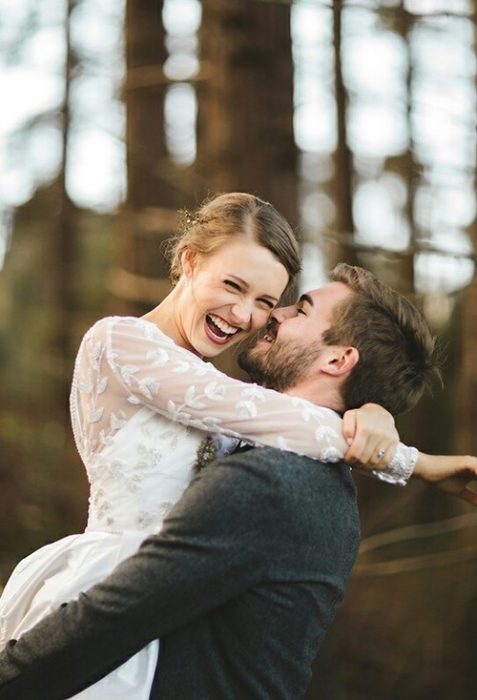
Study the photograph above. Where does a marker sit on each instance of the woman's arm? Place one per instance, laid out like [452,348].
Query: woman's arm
[455,475]
[155,372]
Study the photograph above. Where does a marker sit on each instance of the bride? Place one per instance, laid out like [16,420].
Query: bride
[142,398]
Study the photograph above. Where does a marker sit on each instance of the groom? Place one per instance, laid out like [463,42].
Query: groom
[245,577]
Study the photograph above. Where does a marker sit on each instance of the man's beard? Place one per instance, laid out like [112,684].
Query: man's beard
[279,366]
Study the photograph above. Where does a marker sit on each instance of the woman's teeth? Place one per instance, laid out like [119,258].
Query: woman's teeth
[220,327]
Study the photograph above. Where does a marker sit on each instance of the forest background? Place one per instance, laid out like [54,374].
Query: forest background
[357,119]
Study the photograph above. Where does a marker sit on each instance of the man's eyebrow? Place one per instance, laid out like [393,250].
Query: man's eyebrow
[307,298]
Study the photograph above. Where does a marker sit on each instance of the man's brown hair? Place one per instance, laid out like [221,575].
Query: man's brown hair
[397,352]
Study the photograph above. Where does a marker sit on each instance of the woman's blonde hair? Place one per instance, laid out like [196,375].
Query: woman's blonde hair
[234,214]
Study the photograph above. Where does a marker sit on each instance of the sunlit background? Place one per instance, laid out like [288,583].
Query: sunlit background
[407,87]
[357,119]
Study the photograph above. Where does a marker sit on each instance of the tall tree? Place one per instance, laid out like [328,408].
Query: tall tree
[148,215]
[466,435]
[65,230]
[343,182]
[407,263]
[245,130]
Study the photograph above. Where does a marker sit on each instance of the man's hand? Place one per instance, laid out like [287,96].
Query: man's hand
[452,474]
[371,435]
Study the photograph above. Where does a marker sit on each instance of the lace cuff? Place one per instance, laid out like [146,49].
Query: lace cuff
[401,467]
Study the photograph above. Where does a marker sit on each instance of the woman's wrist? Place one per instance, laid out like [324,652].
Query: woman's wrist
[433,468]
[421,468]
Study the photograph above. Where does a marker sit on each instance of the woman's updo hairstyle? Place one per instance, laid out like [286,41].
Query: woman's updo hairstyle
[235,214]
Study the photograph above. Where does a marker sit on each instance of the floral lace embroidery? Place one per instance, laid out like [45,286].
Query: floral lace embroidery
[401,468]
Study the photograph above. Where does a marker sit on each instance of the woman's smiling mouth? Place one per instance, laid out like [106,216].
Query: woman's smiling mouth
[218,330]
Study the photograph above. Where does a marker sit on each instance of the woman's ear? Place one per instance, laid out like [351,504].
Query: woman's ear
[187,262]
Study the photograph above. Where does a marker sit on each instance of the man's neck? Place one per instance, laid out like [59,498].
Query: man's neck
[319,395]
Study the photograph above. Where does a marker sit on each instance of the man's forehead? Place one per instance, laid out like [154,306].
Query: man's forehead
[332,293]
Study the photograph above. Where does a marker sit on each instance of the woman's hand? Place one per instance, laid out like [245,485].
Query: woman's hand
[453,474]
[371,435]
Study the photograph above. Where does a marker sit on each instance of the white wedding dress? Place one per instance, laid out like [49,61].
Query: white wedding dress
[139,406]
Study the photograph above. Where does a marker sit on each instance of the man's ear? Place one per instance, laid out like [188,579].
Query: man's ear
[341,361]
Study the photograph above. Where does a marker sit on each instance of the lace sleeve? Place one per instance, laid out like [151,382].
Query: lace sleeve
[157,373]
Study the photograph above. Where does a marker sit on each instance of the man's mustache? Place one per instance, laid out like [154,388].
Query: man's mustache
[271,329]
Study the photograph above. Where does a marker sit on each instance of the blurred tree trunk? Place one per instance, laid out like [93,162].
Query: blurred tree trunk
[405,281]
[148,217]
[64,237]
[245,130]
[341,250]
[466,440]
[64,494]
[340,247]
[466,433]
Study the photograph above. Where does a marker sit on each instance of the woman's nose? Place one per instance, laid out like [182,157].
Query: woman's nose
[283,312]
[242,312]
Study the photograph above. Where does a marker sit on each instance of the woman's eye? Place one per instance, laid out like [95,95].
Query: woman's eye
[264,303]
[232,285]
[300,311]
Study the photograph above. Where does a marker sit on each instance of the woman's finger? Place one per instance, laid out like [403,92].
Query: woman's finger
[349,426]
[384,455]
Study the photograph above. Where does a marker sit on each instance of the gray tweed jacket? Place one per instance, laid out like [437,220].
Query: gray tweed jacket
[240,586]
